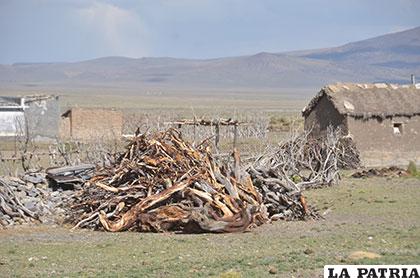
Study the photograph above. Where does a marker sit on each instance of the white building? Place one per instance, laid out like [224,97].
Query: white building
[12,118]
[38,116]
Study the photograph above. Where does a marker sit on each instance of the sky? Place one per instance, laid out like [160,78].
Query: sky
[68,31]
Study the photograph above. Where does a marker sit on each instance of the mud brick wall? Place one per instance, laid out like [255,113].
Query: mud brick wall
[380,146]
[92,124]
[322,116]
[374,137]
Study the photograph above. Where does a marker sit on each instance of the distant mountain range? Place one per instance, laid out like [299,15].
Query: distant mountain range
[388,58]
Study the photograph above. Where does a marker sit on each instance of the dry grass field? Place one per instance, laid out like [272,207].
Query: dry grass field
[153,99]
[376,215]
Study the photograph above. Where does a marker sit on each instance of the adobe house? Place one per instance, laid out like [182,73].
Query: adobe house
[36,116]
[382,119]
[91,124]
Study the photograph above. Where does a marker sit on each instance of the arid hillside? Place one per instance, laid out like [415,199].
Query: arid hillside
[389,58]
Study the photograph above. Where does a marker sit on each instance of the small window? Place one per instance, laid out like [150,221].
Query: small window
[398,128]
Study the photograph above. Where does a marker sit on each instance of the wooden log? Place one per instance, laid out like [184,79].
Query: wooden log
[130,217]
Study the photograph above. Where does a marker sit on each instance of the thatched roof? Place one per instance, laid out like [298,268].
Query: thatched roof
[370,100]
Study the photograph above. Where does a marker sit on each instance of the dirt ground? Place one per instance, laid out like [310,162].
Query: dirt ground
[377,215]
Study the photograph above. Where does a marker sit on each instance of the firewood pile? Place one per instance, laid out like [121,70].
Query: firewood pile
[299,163]
[162,183]
[283,200]
[28,200]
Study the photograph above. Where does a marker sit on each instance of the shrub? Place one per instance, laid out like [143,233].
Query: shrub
[412,169]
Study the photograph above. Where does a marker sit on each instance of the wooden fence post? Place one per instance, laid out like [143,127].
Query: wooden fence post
[235,135]
[217,138]
[195,131]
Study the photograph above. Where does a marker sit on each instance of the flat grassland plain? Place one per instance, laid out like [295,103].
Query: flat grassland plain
[188,101]
[378,215]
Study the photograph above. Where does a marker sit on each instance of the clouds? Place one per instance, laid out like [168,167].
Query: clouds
[71,30]
[64,30]
[121,30]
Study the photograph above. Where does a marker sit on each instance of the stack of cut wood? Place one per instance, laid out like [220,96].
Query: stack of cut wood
[283,200]
[162,183]
[11,209]
[23,201]
[297,164]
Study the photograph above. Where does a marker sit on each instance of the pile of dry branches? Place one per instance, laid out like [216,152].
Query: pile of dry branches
[23,201]
[347,154]
[283,200]
[162,183]
[11,207]
[299,163]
